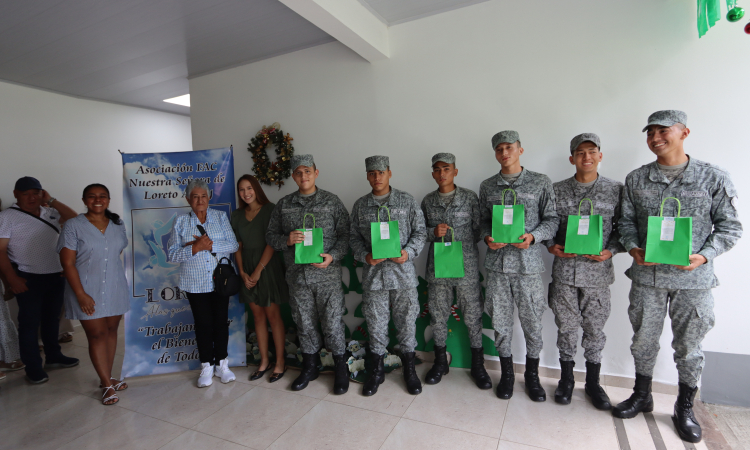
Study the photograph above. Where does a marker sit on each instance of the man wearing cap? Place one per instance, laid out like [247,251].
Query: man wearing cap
[579,293]
[29,230]
[315,289]
[706,194]
[514,270]
[452,214]
[388,283]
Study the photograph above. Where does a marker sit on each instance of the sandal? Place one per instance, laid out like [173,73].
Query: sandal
[121,385]
[110,398]
[275,376]
[258,374]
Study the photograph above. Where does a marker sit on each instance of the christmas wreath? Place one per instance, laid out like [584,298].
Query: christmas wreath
[268,172]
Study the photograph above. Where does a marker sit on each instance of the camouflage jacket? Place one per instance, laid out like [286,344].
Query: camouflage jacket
[330,215]
[388,274]
[535,192]
[606,195]
[707,195]
[462,214]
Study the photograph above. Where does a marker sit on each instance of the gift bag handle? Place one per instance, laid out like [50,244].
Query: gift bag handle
[305,218]
[389,213]
[581,202]
[679,206]
[514,195]
[453,235]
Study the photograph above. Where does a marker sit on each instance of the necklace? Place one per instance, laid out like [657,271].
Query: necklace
[95,225]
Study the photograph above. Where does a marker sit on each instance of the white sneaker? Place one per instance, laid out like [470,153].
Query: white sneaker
[206,377]
[222,371]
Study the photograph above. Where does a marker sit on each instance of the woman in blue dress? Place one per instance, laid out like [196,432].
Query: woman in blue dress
[96,289]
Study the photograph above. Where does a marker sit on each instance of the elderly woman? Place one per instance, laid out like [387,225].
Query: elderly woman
[199,240]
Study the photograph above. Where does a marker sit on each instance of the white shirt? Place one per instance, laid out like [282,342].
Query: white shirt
[33,243]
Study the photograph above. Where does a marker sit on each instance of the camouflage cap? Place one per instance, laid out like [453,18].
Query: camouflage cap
[666,118]
[448,158]
[584,137]
[302,160]
[508,136]
[377,162]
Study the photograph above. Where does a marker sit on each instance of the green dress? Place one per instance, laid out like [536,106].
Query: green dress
[271,287]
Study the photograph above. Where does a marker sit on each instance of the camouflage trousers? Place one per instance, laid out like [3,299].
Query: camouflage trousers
[404,308]
[469,299]
[580,307]
[527,293]
[692,314]
[319,303]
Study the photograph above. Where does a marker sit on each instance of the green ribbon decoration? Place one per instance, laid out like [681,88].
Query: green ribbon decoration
[709,12]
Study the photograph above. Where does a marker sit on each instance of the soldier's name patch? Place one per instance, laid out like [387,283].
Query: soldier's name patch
[323,210]
[290,210]
[607,206]
[462,214]
[694,194]
[645,193]
[526,195]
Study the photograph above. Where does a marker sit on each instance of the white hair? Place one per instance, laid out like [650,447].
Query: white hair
[195,184]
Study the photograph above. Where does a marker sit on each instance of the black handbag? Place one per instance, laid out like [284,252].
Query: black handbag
[226,280]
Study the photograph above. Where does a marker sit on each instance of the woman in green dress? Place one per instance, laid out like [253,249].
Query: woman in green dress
[262,272]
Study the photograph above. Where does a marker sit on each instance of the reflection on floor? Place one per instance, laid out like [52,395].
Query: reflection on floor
[169,412]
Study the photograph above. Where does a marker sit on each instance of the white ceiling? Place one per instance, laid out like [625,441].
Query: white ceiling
[140,52]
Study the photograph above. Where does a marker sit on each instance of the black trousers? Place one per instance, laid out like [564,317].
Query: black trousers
[211,314]
[40,305]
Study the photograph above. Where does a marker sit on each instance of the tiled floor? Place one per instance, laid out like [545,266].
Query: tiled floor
[168,412]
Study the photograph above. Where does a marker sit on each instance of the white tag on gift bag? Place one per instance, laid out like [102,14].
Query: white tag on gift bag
[508,215]
[583,226]
[308,238]
[447,244]
[385,231]
[667,229]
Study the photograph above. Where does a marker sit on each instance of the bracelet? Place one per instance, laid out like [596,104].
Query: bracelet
[264,266]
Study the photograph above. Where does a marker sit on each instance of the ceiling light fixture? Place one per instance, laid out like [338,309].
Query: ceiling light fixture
[183,100]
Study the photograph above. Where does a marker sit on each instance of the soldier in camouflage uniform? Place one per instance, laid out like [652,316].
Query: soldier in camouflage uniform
[388,282]
[458,208]
[315,289]
[514,270]
[579,293]
[708,196]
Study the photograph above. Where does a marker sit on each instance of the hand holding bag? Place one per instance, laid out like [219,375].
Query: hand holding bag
[308,252]
[449,258]
[669,239]
[508,221]
[386,240]
[584,234]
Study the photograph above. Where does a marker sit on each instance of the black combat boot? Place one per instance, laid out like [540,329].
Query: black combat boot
[641,399]
[564,391]
[683,418]
[507,379]
[340,374]
[376,378]
[478,372]
[599,398]
[439,368]
[310,364]
[413,385]
[534,389]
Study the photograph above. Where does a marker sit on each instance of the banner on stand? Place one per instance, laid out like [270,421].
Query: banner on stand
[159,329]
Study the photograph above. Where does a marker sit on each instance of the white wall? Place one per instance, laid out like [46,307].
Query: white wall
[548,69]
[68,143]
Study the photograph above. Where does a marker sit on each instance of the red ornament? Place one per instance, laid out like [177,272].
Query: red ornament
[747,28]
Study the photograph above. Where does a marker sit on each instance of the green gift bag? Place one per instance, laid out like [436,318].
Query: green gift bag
[669,239]
[386,240]
[309,251]
[508,221]
[449,258]
[584,234]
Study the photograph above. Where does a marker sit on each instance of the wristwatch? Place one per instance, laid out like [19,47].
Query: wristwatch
[51,199]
